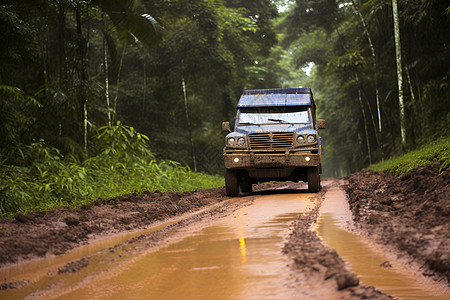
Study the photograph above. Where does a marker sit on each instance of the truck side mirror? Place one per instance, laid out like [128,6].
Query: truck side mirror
[226,127]
[321,124]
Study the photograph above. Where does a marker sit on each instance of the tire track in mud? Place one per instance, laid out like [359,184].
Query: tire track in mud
[161,237]
[57,231]
[140,244]
[320,268]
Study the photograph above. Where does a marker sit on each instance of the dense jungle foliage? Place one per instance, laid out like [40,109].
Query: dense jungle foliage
[105,97]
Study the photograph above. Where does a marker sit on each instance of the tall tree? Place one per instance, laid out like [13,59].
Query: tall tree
[398,53]
[374,61]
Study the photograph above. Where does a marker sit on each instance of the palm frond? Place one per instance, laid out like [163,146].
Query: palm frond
[131,25]
[143,28]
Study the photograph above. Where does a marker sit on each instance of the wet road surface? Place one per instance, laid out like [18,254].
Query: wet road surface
[372,265]
[236,257]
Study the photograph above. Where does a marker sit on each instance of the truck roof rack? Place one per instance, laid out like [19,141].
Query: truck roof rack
[277,97]
[279,91]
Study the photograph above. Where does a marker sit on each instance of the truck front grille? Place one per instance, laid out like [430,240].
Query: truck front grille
[273,140]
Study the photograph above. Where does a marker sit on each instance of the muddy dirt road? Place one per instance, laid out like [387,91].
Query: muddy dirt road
[278,243]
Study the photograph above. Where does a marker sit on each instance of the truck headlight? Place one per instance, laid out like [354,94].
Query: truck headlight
[230,141]
[311,139]
[300,139]
[241,141]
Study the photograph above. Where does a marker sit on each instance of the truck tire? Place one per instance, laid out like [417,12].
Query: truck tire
[231,183]
[246,187]
[313,179]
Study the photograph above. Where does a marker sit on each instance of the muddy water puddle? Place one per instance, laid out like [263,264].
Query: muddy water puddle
[237,257]
[372,265]
[37,269]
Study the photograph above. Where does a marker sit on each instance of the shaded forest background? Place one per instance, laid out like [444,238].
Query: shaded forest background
[99,92]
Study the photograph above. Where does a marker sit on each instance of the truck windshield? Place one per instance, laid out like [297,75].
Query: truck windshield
[273,115]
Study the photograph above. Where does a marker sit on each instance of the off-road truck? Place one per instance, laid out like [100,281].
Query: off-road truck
[275,138]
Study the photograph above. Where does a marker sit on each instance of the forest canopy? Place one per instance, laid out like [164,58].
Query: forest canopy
[140,85]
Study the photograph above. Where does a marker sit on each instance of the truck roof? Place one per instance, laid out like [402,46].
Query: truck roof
[277,97]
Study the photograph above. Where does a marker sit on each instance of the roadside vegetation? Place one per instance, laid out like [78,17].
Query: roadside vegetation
[435,152]
[42,178]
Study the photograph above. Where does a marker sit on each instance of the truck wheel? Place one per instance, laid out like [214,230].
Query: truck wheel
[231,183]
[313,179]
[246,187]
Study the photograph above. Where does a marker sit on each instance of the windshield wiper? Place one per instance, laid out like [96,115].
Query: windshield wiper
[278,120]
[248,123]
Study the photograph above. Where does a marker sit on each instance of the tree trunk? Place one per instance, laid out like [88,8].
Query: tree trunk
[417,119]
[375,129]
[359,99]
[83,75]
[144,90]
[188,123]
[398,52]
[61,39]
[374,63]
[375,74]
[85,127]
[116,97]
[61,48]
[105,65]
[364,119]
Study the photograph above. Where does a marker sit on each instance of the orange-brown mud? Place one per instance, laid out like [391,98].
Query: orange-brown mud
[232,248]
[54,232]
[410,215]
[383,207]
[315,262]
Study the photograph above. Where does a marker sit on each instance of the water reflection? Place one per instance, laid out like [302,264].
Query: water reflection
[243,251]
[396,280]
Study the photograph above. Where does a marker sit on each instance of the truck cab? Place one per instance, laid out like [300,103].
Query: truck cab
[275,138]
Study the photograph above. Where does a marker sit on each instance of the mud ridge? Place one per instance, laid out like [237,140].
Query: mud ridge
[410,214]
[313,262]
[54,232]
[74,266]
[159,237]
[147,242]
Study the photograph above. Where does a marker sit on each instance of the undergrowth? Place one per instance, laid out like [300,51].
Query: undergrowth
[39,177]
[437,151]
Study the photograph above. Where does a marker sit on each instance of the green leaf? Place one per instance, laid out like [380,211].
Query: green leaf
[143,28]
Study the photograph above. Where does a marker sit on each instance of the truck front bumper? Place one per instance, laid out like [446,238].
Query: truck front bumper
[270,160]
